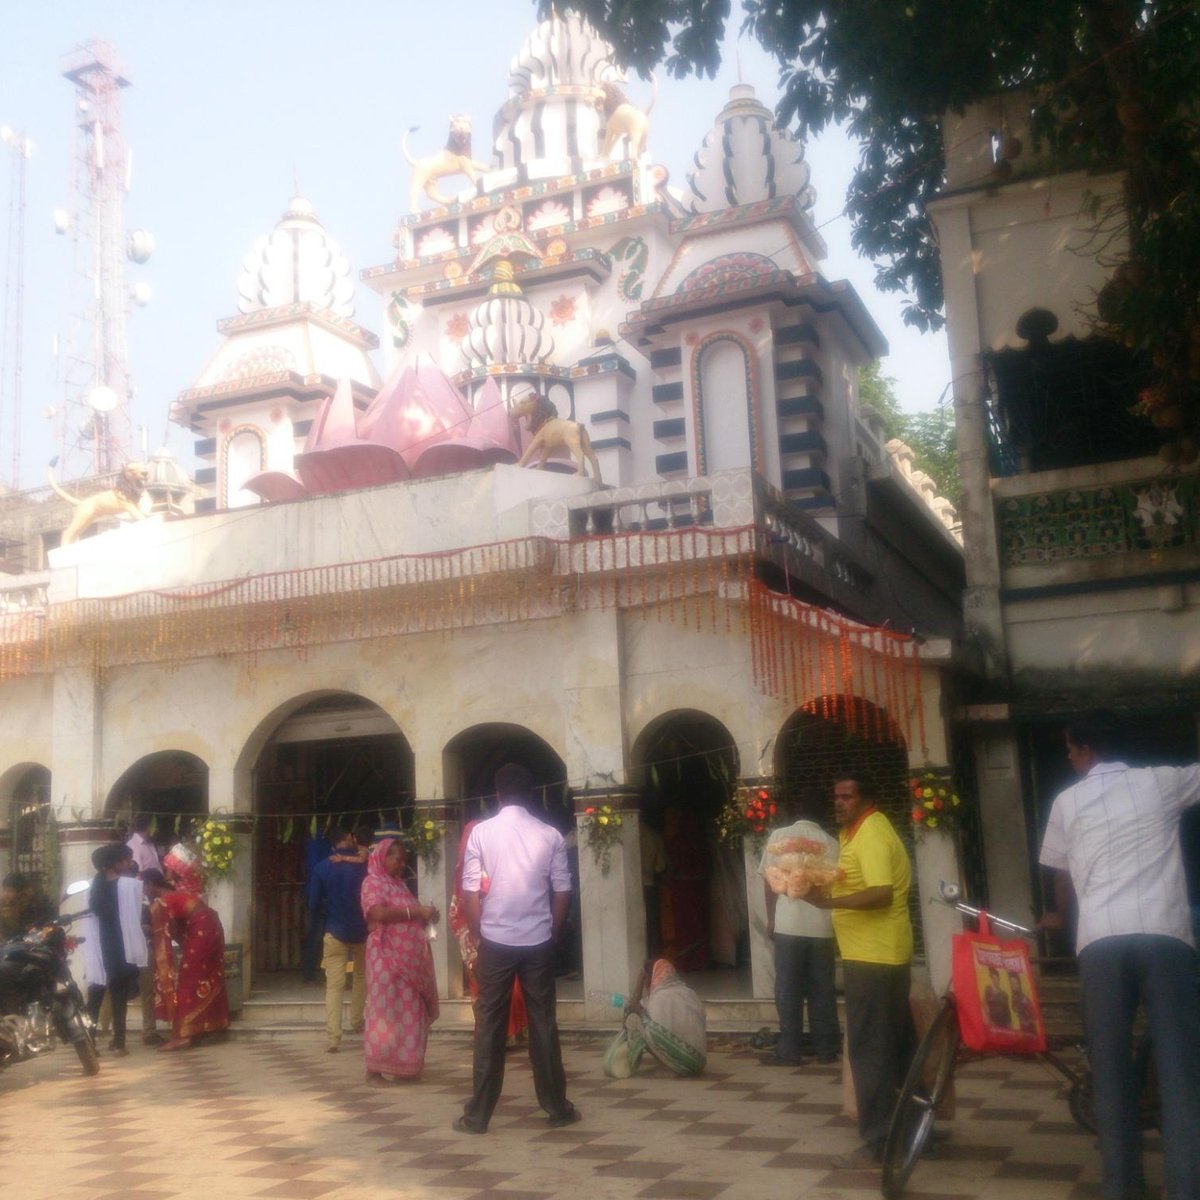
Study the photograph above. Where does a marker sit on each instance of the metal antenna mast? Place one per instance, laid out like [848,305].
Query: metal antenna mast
[95,423]
[13,340]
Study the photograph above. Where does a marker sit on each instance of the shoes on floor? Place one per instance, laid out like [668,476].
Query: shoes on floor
[569,1117]
[118,1052]
[153,1039]
[358,1028]
[769,1060]
[332,1048]
[462,1125]
[865,1158]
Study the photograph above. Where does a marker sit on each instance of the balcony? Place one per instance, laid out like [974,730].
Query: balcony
[1125,521]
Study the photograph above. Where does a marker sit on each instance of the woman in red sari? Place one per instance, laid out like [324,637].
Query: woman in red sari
[518,1022]
[201,1003]
[162,955]
[402,999]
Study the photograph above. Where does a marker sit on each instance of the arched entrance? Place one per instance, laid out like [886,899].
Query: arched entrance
[469,763]
[845,737]
[471,758]
[687,764]
[331,760]
[171,786]
[26,788]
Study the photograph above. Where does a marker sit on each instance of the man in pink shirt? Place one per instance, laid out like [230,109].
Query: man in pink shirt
[516,927]
[145,852]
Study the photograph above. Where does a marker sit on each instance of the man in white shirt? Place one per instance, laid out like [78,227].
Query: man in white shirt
[516,927]
[803,939]
[1114,836]
[146,858]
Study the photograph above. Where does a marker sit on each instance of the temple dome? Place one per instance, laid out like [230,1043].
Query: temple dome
[562,52]
[746,158]
[552,121]
[298,263]
[505,327]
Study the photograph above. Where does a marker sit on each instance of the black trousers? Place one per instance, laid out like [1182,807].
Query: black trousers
[495,969]
[1118,973]
[879,1040]
[119,989]
[804,976]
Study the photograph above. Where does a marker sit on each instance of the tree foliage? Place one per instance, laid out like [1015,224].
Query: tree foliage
[1112,84]
[929,433]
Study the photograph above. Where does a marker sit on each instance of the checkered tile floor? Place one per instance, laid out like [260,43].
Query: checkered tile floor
[282,1118]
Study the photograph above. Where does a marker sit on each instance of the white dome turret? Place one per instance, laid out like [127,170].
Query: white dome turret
[747,158]
[299,263]
[553,118]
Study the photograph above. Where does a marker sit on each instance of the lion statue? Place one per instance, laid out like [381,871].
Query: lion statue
[120,500]
[623,119]
[550,432]
[455,159]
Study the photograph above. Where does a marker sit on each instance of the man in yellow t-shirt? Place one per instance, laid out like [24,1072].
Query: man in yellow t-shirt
[874,936]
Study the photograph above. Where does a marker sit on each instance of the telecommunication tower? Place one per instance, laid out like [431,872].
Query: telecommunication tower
[94,423]
[13,339]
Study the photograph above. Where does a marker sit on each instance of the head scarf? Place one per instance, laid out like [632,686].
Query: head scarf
[662,973]
[182,861]
[376,860]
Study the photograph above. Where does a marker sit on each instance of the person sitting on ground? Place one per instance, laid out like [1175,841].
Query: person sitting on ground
[669,1023]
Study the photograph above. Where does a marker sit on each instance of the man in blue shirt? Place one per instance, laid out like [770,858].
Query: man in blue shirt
[336,884]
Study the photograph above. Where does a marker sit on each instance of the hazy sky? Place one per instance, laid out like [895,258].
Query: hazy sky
[231,97]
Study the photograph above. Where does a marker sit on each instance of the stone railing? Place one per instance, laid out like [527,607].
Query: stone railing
[1102,516]
[24,593]
[794,541]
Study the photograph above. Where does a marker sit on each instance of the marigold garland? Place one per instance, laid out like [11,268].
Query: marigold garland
[601,827]
[935,804]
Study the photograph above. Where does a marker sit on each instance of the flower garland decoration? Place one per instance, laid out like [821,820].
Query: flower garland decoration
[423,839]
[601,831]
[747,814]
[216,849]
[935,804]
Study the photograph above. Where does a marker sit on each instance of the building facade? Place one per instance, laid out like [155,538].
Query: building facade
[732,586]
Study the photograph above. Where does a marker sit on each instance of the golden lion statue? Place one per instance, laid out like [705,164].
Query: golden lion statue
[455,159]
[623,119]
[551,432]
[121,500]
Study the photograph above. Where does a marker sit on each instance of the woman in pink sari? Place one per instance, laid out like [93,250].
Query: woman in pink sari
[402,999]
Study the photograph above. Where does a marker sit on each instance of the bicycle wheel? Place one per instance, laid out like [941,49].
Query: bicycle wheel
[924,1089]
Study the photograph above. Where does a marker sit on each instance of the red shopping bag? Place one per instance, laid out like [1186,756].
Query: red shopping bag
[995,993]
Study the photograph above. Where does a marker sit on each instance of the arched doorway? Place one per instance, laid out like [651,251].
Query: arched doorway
[330,760]
[687,763]
[34,850]
[170,786]
[471,758]
[846,737]
[469,763]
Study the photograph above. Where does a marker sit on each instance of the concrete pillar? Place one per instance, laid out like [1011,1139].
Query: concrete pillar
[1002,811]
[435,883]
[76,724]
[614,915]
[937,861]
[762,950]
[231,799]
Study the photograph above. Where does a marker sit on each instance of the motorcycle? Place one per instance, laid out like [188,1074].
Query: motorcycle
[39,998]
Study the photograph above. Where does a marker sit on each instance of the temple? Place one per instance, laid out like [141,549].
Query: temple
[601,497]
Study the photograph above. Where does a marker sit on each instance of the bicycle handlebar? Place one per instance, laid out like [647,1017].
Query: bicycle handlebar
[951,894]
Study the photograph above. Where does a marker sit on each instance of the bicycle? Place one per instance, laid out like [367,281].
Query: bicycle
[938,1057]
